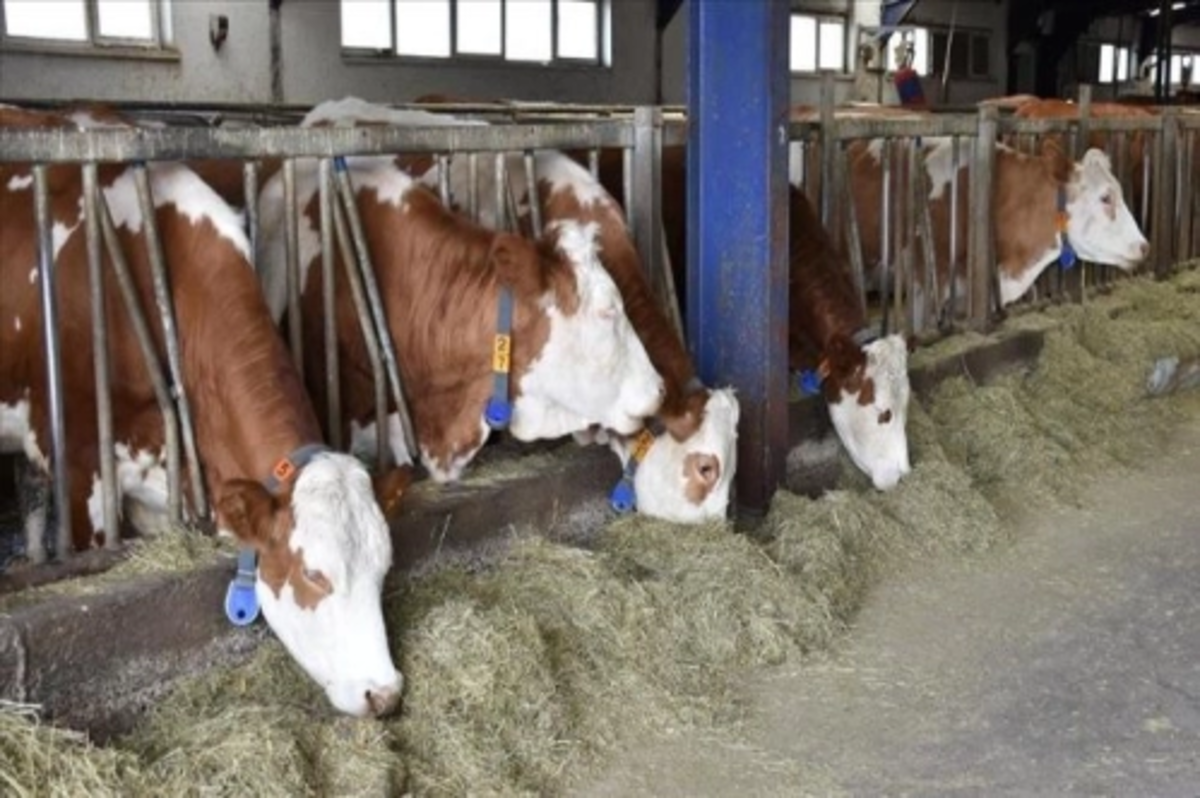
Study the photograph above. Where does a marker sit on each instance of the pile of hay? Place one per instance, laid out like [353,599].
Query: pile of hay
[523,670]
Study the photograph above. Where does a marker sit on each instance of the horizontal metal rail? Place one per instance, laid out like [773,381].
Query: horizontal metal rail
[170,144]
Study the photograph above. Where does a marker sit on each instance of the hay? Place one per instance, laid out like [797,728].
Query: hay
[41,760]
[524,670]
[176,549]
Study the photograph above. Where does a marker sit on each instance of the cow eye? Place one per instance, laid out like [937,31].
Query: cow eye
[317,579]
[1107,199]
[885,417]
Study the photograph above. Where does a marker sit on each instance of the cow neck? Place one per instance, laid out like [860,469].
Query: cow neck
[1026,234]
[682,389]
[248,403]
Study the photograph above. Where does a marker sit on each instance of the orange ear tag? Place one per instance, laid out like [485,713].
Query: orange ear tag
[642,444]
[284,470]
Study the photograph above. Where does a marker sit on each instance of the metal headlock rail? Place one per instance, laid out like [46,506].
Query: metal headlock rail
[639,133]
[907,266]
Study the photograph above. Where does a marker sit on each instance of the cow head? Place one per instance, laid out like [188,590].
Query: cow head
[1099,224]
[592,368]
[867,392]
[688,481]
[323,550]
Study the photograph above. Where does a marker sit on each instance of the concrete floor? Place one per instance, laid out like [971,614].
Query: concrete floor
[1066,665]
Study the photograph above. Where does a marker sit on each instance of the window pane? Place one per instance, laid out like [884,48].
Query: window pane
[527,30]
[804,44]
[31,18]
[832,48]
[367,24]
[1123,63]
[940,40]
[1106,63]
[125,19]
[1176,68]
[479,27]
[981,62]
[921,51]
[577,29]
[423,27]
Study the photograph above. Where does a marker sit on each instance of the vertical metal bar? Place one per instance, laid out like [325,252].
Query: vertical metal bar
[443,166]
[594,163]
[627,184]
[291,239]
[645,184]
[1183,172]
[166,310]
[535,207]
[473,186]
[370,339]
[738,224]
[250,189]
[885,234]
[853,232]
[145,340]
[979,237]
[378,313]
[333,383]
[501,196]
[952,256]
[50,337]
[1082,133]
[1164,195]
[828,152]
[104,419]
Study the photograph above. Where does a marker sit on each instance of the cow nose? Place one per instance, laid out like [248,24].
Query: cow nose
[383,701]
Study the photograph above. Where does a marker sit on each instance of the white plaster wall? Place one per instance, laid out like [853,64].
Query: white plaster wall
[314,68]
[238,72]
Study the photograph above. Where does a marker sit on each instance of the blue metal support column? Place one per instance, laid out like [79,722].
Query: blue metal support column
[738,92]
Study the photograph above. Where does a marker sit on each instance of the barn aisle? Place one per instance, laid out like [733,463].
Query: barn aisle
[1068,664]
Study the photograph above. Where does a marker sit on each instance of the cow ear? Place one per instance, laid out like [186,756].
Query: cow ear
[390,487]
[248,511]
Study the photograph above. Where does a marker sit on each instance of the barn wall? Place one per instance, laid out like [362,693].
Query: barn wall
[313,67]
[239,72]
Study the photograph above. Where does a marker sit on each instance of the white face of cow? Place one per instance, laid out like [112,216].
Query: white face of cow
[873,431]
[593,368]
[688,482]
[1100,226]
[322,561]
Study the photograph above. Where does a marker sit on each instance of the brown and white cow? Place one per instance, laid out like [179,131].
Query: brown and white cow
[322,541]
[1032,194]
[687,473]
[575,359]
[865,378]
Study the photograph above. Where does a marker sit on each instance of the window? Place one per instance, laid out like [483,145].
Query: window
[1114,64]
[970,54]
[817,44]
[533,31]
[918,39]
[98,22]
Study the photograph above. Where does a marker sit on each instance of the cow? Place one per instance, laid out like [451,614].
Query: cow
[1134,160]
[685,476]
[574,361]
[313,516]
[1037,200]
[864,377]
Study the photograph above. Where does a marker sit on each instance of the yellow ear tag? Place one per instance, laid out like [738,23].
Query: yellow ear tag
[501,353]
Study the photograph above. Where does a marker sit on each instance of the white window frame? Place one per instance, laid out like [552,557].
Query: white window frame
[160,30]
[818,21]
[603,41]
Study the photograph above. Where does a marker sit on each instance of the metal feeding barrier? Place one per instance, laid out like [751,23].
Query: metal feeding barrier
[906,284]
[637,133]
